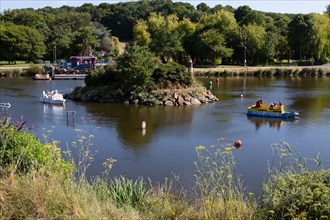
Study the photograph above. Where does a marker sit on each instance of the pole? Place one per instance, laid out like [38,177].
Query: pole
[54,53]
[244,56]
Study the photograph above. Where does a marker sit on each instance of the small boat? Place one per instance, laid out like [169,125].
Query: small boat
[274,110]
[52,97]
[42,77]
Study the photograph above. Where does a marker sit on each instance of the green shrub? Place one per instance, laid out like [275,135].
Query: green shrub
[171,73]
[22,151]
[291,195]
[293,192]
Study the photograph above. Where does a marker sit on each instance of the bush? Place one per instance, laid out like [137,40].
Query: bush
[171,73]
[293,192]
[302,196]
[22,151]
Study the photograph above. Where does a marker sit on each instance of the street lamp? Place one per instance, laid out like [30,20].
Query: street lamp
[244,56]
[54,53]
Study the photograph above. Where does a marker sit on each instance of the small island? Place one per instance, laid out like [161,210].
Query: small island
[137,77]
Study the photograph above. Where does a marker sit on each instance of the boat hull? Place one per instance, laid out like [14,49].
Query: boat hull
[270,114]
[52,101]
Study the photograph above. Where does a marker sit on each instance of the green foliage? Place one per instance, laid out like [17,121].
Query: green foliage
[22,151]
[135,68]
[291,195]
[126,192]
[300,35]
[20,43]
[174,31]
[293,192]
[168,75]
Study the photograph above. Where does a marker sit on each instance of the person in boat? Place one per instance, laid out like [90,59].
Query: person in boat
[272,105]
[258,103]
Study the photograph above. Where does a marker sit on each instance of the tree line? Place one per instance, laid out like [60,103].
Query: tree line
[173,31]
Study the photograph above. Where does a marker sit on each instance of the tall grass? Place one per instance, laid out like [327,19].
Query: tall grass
[292,191]
[220,192]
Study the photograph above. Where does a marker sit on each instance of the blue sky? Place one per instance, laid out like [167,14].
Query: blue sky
[281,6]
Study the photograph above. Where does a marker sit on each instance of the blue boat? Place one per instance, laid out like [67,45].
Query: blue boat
[273,110]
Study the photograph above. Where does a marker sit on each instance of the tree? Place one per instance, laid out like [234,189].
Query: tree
[141,35]
[213,44]
[328,10]
[203,7]
[321,37]
[255,40]
[20,42]
[299,35]
[271,40]
[213,31]
[166,41]
[135,68]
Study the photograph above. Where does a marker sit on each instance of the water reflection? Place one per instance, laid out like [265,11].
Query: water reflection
[127,119]
[271,122]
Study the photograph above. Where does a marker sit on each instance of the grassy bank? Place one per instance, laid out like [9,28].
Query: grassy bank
[263,71]
[20,69]
[36,183]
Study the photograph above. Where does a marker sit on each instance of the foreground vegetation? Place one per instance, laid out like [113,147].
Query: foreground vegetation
[37,183]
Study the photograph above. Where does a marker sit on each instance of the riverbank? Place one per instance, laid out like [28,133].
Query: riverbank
[263,70]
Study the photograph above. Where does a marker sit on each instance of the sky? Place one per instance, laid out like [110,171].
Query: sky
[278,6]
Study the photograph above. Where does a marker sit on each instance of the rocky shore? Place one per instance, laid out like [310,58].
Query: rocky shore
[168,97]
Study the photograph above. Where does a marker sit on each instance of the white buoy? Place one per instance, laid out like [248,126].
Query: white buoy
[143,124]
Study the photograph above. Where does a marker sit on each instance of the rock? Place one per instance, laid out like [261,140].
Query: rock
[180,100]
[195,101]
[168,103]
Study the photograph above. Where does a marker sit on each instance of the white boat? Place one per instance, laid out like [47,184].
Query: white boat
[52,97]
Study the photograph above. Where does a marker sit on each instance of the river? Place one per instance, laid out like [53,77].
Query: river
[167,146]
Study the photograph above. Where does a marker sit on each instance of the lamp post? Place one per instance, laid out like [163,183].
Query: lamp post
[244,56]
[54,53]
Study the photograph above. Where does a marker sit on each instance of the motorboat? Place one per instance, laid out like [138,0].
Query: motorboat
[52,97]
[273,110]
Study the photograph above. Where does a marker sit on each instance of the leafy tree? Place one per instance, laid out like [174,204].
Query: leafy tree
[209,44]
[215,46]
[254,17]
[255,40]
[141,35]
[282,49]
[135,68]
[271,40]
[83,42]
[20,42]
[203,7]
[328,10]
[165,39]
[299,35]
[321,37]
[241,12]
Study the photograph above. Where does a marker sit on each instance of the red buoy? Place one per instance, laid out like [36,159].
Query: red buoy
[238,144]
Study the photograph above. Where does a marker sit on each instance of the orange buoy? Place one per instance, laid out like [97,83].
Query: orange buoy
[238,144]
[143,124]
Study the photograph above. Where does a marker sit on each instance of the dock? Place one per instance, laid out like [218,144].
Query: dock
[69,76]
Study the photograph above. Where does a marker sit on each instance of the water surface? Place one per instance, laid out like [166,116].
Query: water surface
[168,144]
